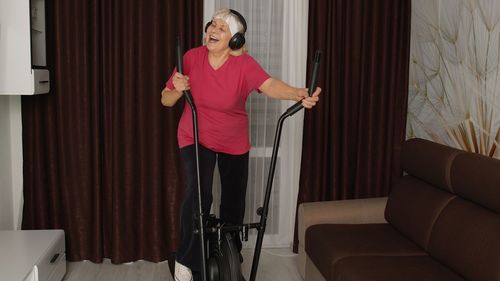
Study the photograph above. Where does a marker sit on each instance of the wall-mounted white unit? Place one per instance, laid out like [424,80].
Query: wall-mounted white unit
[23,52]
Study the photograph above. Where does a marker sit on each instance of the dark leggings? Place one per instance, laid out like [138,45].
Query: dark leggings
[233,171]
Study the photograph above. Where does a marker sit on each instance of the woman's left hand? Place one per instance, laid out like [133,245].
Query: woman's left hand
[278,89]
[309,101]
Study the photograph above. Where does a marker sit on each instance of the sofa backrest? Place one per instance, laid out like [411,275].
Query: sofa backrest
[413,208]
[429,161]
[466,236]
[449,204]
[417,199]
[477,178]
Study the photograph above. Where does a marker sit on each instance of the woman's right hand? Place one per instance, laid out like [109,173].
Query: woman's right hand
[181,82]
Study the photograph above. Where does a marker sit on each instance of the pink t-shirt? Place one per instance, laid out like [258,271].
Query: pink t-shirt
[220,96]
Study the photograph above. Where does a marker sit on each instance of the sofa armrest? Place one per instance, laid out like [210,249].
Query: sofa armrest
[355,211]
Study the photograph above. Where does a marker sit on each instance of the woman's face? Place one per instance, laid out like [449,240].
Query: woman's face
[218,36]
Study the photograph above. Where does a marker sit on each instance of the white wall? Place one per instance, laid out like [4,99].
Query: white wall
[10,162]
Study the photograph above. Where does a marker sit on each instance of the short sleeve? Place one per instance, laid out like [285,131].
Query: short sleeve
[255,75]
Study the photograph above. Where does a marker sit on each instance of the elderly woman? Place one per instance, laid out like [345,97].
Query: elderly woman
[220,76]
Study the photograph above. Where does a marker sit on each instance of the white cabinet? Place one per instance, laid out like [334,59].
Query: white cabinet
[32,255]
[23,52]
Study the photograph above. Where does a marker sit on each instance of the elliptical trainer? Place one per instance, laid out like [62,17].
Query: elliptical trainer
[223,262]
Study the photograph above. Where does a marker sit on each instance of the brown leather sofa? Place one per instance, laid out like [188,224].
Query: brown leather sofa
[441,221]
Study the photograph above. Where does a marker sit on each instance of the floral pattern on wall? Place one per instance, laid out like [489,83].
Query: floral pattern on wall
[454,86]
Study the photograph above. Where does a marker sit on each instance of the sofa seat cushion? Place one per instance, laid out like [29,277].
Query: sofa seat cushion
[328,243]
[376,268]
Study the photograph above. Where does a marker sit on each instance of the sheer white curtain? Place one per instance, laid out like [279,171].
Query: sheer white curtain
[276,38]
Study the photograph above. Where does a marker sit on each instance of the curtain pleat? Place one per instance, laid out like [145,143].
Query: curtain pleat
[100,151]
[352,139]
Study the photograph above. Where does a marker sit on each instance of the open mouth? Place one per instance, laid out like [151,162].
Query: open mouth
[213,39]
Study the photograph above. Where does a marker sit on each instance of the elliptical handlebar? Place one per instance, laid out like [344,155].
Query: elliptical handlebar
[187,93]
[312,85]
[263,216]
[199,216]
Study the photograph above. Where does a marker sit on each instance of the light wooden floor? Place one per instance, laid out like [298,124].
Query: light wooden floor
[275,265]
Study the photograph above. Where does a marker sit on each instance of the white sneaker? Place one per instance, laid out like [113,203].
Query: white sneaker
[182,272]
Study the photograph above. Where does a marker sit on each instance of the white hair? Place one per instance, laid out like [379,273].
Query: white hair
[231,19]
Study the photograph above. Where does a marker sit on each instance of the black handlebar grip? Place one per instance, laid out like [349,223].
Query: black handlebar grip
[314,76]
[312,85]
[179,55]
[294,108]
[186,93]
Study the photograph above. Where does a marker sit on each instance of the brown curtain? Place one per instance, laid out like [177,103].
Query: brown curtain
[100,152]
[352,139]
